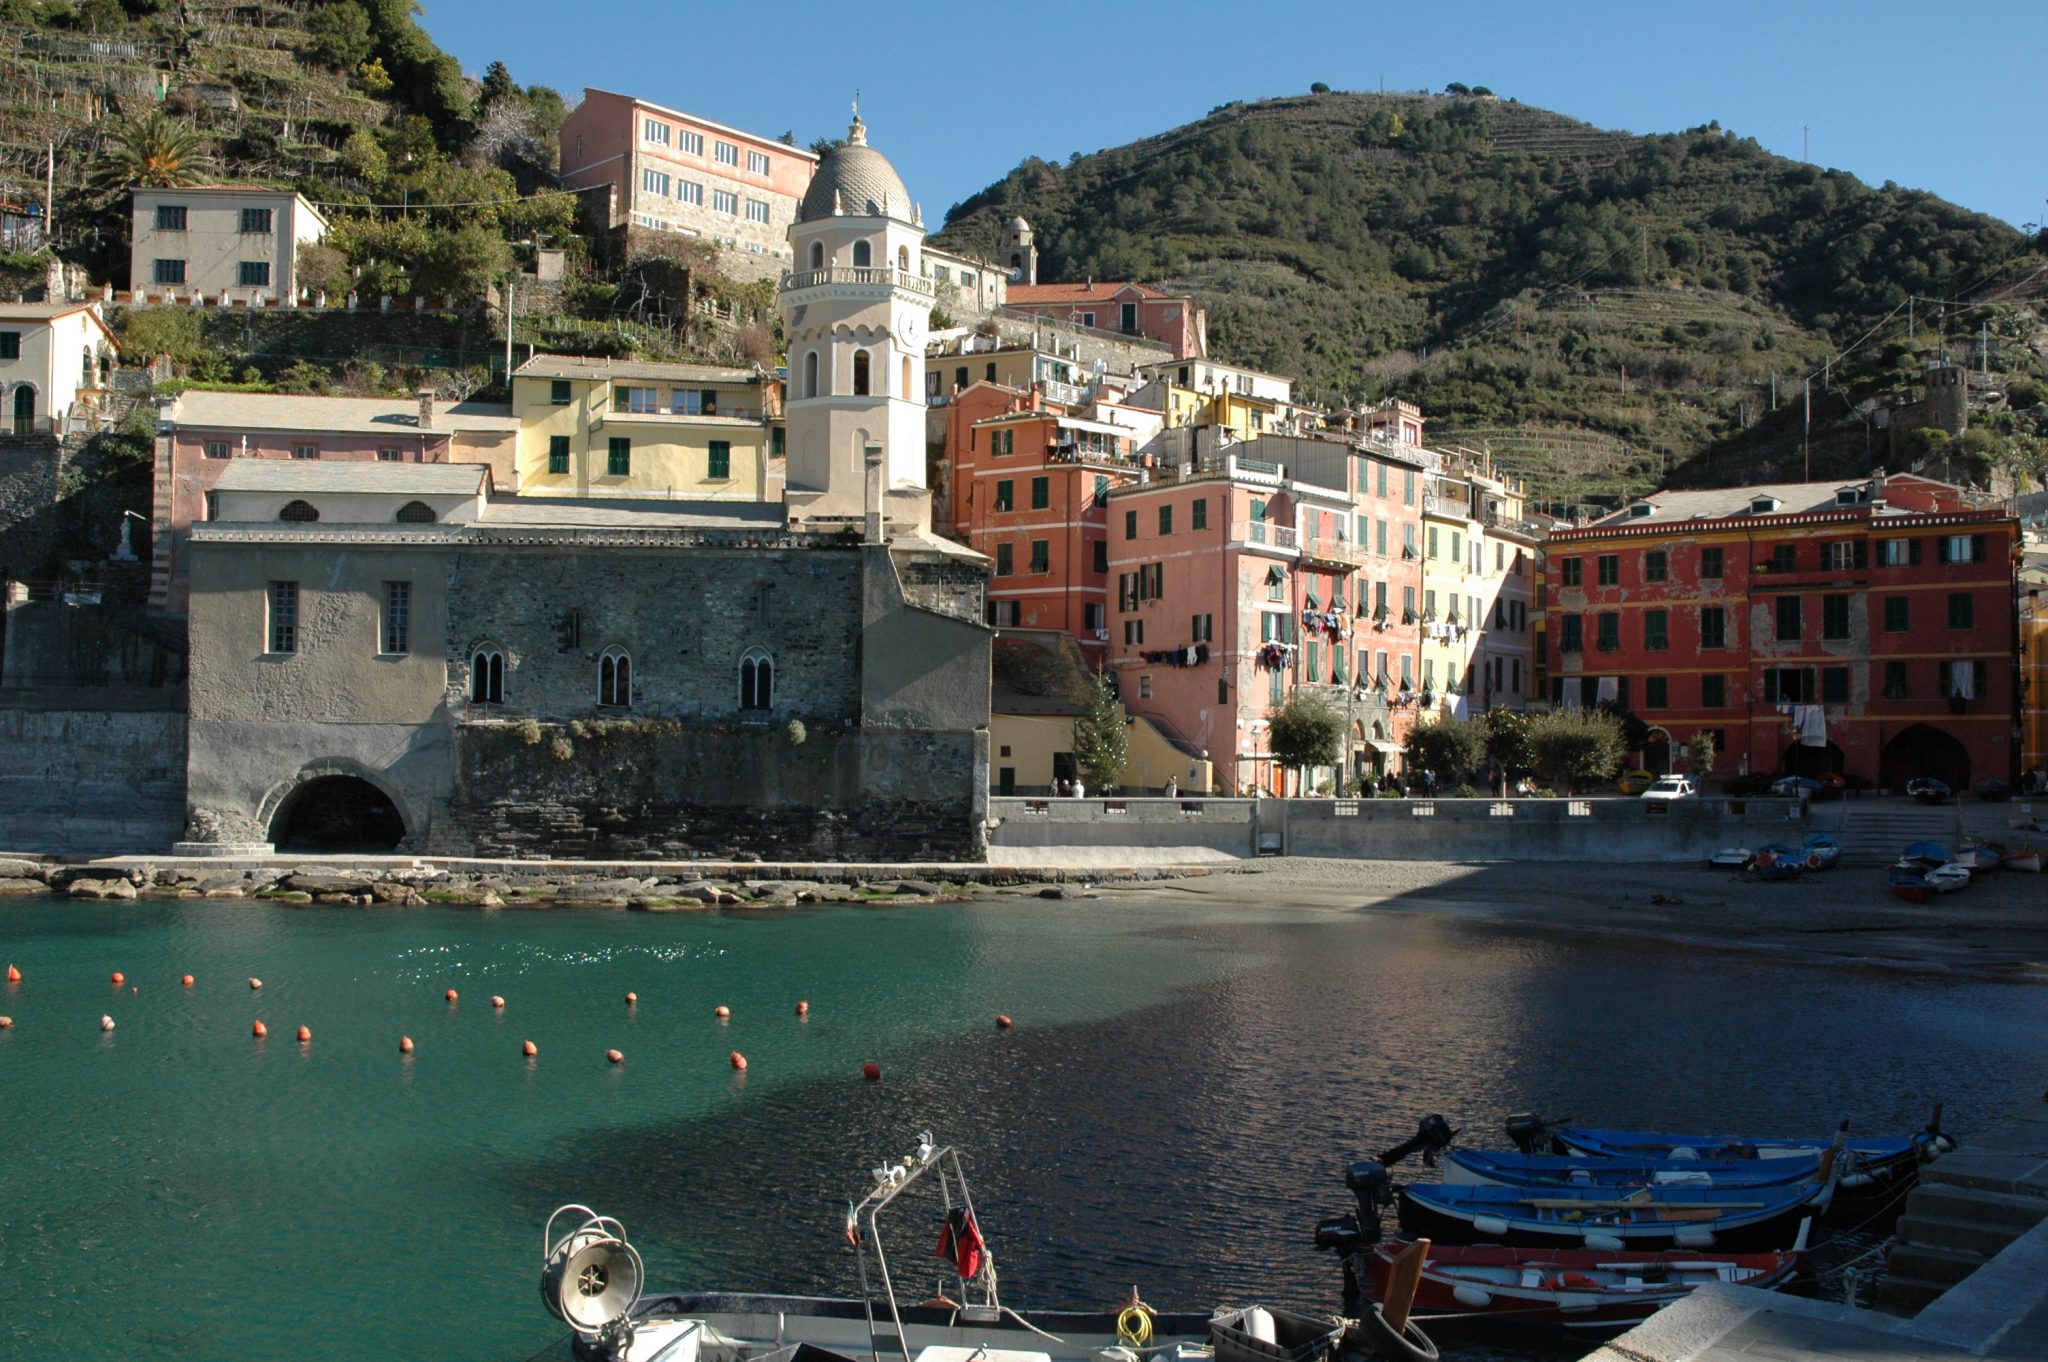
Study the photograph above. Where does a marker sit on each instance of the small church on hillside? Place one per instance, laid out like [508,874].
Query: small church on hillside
[405,657]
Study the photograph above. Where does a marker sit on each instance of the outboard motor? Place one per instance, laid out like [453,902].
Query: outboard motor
[1374,1188]
[1531,1133]
[1433,1135]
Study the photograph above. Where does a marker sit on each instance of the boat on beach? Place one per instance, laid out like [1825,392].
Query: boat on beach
[1777,861]
[1823,850]
[592,1279]
[2021,858]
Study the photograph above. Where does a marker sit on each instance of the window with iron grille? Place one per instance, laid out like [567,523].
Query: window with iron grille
[397,618]
[284,617]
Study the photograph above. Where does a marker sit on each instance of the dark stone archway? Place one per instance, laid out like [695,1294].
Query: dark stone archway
[1924,751]
[337,814]
[1812,762]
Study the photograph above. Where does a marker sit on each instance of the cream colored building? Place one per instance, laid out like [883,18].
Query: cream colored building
[630,428]
[1479,568]
[50,353]
[856,309]
[228,242]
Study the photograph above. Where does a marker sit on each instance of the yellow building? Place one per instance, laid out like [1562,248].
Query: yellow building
[2033,643]
[626,428]
[1039,691]
[1479,571]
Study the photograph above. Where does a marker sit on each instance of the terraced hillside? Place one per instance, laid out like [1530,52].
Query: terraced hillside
[1598,306]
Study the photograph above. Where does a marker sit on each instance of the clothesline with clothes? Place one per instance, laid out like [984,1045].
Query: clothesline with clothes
[1194,655]
[1272,657]
[1324,621]
[1809,723]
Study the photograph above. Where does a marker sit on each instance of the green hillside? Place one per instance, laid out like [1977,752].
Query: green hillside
[1602,309]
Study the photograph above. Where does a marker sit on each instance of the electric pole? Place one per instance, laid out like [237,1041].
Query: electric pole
[1806,432]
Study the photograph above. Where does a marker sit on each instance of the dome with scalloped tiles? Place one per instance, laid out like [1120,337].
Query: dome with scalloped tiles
[858,181]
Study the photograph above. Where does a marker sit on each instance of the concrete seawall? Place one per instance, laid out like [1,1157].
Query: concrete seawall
[105,780]
[1593,829]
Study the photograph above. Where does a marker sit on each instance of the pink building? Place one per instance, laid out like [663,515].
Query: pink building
[660,170]
[1127,309]
[201,434]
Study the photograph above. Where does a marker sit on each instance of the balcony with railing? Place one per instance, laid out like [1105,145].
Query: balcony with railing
[1316,548]
[887,275]
[1265,534]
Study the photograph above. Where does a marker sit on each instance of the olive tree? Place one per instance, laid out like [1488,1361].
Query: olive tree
[1576,748]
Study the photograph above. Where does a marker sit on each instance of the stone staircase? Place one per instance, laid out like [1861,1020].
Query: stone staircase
[1968,1207]
[1874,831]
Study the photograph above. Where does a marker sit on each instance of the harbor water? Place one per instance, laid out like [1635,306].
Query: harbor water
[1173,1108]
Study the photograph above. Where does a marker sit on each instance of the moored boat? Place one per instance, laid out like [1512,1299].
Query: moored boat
[1777,861]
[1978,858]
[1822,850]
[1576,1289]
[2022,858]
[1946,879]
[1908,883]
[1868,1162]
[1647,1218]
[1473,1167]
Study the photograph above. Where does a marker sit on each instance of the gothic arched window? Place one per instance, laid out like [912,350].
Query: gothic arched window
[757,679]
[615,678]
[863,255]
[811,374]
[487,677]
[299,512]
[860,373]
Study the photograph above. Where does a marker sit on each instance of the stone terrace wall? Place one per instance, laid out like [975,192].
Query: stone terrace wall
[109,781]
[661,790]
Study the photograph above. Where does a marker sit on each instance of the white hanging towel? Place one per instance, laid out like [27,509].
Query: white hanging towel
[1610,689]
[1961,680]
[1813,725]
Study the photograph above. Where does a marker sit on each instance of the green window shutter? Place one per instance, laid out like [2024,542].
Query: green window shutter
[1834,685]
[721,459]
[620,462]
[558,453]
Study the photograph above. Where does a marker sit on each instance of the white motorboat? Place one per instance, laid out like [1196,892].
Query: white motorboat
[593,1280]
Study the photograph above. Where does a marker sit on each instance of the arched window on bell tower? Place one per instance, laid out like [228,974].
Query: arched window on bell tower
[862,255]
[811,374]
[903,258]
[860,373]
[903,388]
[817,255]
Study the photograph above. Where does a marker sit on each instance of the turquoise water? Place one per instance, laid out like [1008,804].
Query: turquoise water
[1183,1086]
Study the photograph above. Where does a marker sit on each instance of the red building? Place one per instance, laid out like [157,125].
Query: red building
[1864,628]
[1127,309]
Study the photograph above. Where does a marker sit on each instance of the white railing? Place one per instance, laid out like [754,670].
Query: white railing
[857,274]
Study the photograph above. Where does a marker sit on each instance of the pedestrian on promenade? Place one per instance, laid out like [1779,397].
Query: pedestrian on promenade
[1172,788]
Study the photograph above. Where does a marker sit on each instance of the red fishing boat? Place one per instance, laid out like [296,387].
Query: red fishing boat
[1588,1289]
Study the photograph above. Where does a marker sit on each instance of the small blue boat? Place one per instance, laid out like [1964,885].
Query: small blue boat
[1612,1217]
[1928,854]
[1822,851]
[1908,882]
[1474,1167]
[1867,1162]
[1777,861]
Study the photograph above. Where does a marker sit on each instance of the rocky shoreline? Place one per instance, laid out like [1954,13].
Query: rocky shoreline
[417,886]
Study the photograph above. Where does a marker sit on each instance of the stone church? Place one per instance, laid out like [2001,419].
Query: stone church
[405,656]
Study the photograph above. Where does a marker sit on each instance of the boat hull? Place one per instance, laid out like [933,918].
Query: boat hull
[1870,1163]
[1758,1219]
[1572,1289]
[1470,1167]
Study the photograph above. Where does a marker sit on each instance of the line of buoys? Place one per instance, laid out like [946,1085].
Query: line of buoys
[1003,1023]
[119,978]
[739,1061]
[305,1034]
[405,1045]
[528,1048]
[13,974]
[186,981]
[106,1022]
[803,1009]
[450,995]
[721,1012]
[497,1002]
[632,998]
[615,1056]
[259,1030]
[255,984]
[871,1072]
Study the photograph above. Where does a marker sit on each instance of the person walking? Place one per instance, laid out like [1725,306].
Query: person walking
[1172,788]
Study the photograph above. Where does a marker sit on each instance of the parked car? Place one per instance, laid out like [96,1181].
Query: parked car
[1796,787]
[1928,790]
[1634,782]
[1672,787]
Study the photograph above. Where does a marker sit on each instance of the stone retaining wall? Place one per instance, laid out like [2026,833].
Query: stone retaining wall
[91,780]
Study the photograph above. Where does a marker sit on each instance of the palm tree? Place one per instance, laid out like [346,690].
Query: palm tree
[154,152]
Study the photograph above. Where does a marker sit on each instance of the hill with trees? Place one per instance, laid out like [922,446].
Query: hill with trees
[1602,310]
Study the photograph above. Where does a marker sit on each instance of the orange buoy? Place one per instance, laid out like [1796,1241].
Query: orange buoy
[803,1009]
[615,1057]
[528,1048]
[1003,1023]
[871,1072]
[119,978]
[721,1012]
[259,1030]
[451,995]
[739,1061]
[6,1022]
[255,983]
[632,998]
[186,981]
[405,1045]
[13,974]
[305,1034]
[106,1022]
[496,1001]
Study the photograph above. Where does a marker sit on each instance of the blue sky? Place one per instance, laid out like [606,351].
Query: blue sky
[1945,98]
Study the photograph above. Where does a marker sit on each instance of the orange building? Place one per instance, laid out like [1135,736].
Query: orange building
[1123,308]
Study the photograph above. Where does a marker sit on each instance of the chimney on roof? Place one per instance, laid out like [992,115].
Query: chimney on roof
[426,397]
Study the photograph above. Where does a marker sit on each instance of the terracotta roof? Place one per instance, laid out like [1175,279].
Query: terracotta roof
[1097,291]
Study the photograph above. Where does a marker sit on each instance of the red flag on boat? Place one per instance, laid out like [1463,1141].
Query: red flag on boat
[961,1242]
